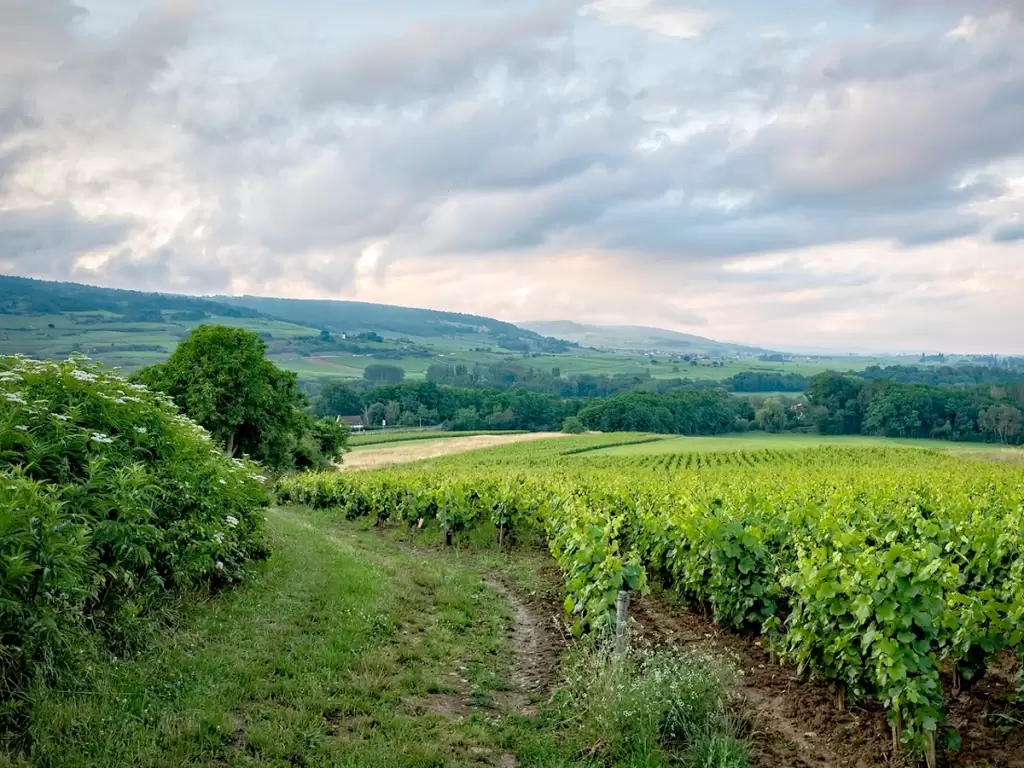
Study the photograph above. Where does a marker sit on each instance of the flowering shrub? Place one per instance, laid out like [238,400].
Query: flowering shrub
[108,499]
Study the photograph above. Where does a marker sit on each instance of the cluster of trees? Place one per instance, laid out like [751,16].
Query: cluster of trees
[945,376]
[457,408]
[844,405]
[686,412]
[220,377]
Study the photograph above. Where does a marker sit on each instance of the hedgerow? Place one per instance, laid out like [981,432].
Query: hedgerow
[109,499]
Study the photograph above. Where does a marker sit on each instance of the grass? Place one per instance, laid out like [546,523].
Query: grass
[762,440]
[352,648]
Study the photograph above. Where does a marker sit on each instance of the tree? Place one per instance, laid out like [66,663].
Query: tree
[325,335]
[392,411]
[772,416]
[337,399]
[221,378]
[573,426]
[381,373]
[1004,421]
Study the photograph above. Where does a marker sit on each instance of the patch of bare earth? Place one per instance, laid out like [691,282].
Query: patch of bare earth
[417,450]
[797,723]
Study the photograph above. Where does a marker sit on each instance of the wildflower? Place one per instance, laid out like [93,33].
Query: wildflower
[9,376]
[222,481]
[21,427]
[218,537]
[231,520]
[141,430]
[219,565]
[14,397]
[83,375]
[60,417]
[258,478]
[99,437]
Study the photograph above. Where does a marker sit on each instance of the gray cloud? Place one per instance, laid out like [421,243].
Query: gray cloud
[47,241]
[1011,233]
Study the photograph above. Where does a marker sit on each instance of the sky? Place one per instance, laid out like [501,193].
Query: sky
[843,174]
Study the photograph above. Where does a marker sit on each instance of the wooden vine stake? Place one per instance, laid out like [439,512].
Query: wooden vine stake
[446,537]
[897,732]
[929,750]
[841,697]
[622,622]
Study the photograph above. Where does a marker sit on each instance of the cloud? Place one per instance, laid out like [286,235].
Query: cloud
[1011,233]
[459,159]
[438,57]
[49,241]
[656,17]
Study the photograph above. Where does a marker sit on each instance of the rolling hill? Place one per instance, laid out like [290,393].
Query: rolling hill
[636,338]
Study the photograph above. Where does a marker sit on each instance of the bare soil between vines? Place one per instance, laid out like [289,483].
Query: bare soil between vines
[797,724]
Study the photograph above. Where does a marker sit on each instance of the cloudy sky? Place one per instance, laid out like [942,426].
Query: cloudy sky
[835,173]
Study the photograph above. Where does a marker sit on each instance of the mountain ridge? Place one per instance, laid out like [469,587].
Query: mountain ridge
[637,338]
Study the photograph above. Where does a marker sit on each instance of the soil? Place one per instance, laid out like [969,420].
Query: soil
[536,645]
[416,450]
[797,724]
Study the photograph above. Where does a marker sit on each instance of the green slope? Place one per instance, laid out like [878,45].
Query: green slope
[638,338]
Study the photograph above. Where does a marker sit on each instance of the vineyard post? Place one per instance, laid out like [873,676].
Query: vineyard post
[622,621]
[444,523]
[929,750]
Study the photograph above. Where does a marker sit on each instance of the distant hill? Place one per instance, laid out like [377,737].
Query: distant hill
[638,338]
[357,316]
[25,296]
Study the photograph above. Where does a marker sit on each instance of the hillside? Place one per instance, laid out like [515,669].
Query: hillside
[356,316]
[636,338]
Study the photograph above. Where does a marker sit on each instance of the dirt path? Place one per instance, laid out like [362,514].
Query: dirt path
[536,644]
[415,450]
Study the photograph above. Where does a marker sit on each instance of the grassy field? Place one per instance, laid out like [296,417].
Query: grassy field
[761,440]
[351,650]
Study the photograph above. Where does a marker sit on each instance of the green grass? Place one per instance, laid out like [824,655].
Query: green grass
[351,648]
[348,651]
[762,440]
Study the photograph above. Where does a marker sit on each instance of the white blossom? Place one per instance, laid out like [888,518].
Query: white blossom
[21,427]
[14,397]
[141,430]
[99,437]
[231,520]
[218,537]
[219,565]
[83,375]
[60,417]
[9,376]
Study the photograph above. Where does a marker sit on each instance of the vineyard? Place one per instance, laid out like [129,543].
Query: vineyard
[885,571]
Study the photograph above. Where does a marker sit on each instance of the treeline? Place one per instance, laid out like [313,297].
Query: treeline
[513,375]
[945,376]
[414,404]
[685,412]
[845,405]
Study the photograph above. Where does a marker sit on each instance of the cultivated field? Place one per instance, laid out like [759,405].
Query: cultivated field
[890,579]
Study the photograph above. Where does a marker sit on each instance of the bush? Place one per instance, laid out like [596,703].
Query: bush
[573,426]
[109,498]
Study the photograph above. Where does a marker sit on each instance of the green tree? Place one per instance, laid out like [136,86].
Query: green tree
[772,416]
[337,399]
[381,373]
[573,426]
[221,378]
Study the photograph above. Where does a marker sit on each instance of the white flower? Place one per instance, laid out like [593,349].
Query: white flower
[141,430]
[99,437]
[259,478]
[9,376]
[83,375]
[60,417]
[222,481]
[14,397]
[219,565]
[218,537]
[231,520]
[21,427]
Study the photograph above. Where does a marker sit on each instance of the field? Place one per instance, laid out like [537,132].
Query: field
[117,342]
[764,441]
[889,577]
